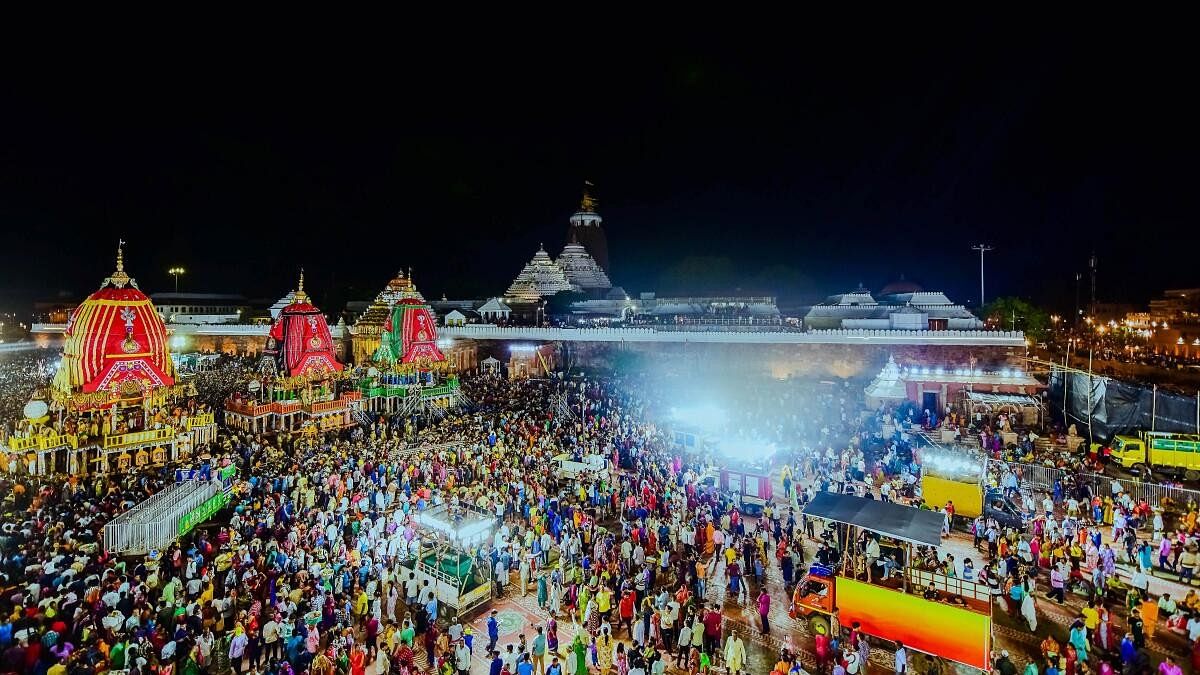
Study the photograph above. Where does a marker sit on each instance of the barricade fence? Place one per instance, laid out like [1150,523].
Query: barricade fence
[1042,478]
[156,522]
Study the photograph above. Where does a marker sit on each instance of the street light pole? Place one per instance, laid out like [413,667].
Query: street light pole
[175,272]
[982,248]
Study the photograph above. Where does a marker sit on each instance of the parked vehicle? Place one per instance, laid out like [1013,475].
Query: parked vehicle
[1155,450]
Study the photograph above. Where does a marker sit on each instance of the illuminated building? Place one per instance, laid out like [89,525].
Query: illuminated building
[540,278]
[587,230]
[582,270]
[909,310]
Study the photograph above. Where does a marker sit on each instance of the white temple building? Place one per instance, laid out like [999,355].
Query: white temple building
[286,300]
[494,310]
[540,278]
[887,387]
[582,270]
[913,310]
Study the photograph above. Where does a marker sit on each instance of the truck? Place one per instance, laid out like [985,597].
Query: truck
[751,485]
[1155,450]
[942,616]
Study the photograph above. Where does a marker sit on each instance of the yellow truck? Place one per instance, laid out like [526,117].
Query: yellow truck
[966,495]
[1155,450]
[952,477]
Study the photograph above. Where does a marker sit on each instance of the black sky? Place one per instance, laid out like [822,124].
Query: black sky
[825,165]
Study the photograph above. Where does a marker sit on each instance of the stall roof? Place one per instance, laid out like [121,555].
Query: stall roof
[901,522]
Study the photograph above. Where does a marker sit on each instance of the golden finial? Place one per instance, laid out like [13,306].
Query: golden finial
[587,203]
[300,295]
[120,279]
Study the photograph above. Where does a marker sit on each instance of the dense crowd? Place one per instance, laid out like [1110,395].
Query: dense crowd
[311,571]
[21,372]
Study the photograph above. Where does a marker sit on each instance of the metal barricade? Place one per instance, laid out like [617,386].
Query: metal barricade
[154,523]
[1035,477]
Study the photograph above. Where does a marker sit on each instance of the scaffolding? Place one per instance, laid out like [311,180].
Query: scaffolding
[164,517]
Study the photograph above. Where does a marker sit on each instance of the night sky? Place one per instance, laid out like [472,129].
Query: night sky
[800,172]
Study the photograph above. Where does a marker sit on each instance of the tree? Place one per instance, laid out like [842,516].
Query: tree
[1013,313]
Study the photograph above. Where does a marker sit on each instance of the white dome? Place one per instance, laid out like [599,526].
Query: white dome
[35,410]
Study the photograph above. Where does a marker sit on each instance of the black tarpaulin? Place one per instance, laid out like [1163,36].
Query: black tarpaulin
[900,522]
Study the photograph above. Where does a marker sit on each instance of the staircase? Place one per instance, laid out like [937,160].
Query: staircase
[362,418]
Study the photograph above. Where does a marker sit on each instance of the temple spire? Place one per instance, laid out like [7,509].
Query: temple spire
[120,279]
[587,203]
[301,296]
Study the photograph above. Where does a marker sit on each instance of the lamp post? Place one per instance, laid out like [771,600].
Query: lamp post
[982,248]
[175,272]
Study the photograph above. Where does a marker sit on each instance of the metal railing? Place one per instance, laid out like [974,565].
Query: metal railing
[832,336]
[1042,478]
[155,523]
[969,590]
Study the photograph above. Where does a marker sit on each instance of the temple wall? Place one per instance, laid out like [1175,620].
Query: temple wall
[834,360]
[777,361]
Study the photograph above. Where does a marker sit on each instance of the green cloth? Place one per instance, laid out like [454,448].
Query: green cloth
[190,667]
[116,656]
[580,651]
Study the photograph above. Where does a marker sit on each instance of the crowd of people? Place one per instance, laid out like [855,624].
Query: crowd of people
[309,573]
[632,565]
[21,372]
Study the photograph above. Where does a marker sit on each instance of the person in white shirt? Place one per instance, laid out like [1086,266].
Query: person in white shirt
[901,659]
[270,636]
[1193,628]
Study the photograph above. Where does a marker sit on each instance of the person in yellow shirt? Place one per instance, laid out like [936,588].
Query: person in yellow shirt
[1192,600]
[360,604]
[604,601]
[1091,618]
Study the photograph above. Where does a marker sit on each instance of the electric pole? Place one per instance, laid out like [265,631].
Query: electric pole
[1079,276]
[1093,263]
[982,248]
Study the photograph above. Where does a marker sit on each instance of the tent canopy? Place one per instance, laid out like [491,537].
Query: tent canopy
[899,522]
